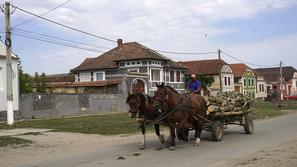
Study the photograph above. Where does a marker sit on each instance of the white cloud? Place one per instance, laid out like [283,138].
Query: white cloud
[160,24]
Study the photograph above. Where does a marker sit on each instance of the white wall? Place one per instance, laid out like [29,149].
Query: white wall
[15,85]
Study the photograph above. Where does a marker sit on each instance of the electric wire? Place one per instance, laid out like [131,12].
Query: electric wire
[57,43]
[25,22]
[258,65]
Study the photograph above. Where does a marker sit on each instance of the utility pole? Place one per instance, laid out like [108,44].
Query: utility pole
[220,70]
[10,115]
[281,82]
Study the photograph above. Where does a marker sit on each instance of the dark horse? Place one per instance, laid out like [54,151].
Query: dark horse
[141,107]
[183,111]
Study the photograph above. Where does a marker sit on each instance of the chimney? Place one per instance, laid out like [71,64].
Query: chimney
[120,42]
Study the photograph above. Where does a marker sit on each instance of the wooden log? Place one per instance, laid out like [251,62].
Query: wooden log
[213,108]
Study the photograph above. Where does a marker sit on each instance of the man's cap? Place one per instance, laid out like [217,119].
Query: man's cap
[193,75]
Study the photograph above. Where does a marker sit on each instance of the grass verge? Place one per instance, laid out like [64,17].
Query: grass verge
[13,141]
[267,109]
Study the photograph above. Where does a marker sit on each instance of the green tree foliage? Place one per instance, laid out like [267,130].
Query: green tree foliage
[25,82]
[40,82]
[206,80]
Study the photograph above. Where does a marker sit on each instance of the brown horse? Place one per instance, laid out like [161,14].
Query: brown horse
[141,107]
[183,111]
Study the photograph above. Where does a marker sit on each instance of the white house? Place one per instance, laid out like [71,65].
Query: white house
[15,81]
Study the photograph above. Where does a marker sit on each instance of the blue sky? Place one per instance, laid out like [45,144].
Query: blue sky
[258,32]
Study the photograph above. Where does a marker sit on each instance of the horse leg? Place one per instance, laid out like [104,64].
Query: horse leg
[161,137]
[142,143]
[172,142]
[198,131]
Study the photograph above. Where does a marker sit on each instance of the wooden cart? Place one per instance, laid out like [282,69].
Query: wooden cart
[218,120]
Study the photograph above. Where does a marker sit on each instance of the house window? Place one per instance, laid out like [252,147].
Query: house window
[92,76]
[171,73]
[134,70]
[252,82]
[178,76]
[225,81]
[229,81]
[244,82]
[85,77]
[100,76]
[122,64]
[144,62]
[1,79]
[262,87]
[155,75]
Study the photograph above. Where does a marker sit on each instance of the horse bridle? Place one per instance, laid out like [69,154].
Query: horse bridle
[163,99]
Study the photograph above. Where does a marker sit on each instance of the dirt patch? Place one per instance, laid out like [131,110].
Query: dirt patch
[284,154]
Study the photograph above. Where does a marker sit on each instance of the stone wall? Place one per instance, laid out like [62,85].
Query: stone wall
[59,105]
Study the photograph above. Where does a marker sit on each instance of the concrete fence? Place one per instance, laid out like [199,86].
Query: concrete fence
[59,105]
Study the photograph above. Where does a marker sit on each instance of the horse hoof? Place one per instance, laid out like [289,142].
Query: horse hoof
[171,148]
[162,139]
[197,142]
[141,147]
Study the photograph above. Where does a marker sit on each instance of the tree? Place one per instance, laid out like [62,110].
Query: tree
[40,82]
[25,82]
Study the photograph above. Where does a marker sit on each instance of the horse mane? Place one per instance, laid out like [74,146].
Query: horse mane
[141,96]
[170,88]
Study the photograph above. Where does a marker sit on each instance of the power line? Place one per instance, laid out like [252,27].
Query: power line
[104,38]
[25,22]
[59,38]
[66,26]
[58,43]
[247,62]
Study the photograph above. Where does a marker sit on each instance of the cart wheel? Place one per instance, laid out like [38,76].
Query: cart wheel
[217,131]
[248,124]
[182,133]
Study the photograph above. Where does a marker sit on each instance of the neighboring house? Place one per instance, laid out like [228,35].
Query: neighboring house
[261,89]
[272,77]
[213,68]
[136,66]
[15,82]
[245,80]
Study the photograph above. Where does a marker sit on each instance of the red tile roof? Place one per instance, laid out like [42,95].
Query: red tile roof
[126,51]
[60,78]
[83,84]
[273,74]
[238,69]
[204,67]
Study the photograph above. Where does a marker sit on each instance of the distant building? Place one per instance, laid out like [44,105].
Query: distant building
[215,68]
[15,81]
[272,77]
[245,80]
[136,68]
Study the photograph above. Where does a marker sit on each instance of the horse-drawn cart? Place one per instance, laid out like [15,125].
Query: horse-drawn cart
[229,109]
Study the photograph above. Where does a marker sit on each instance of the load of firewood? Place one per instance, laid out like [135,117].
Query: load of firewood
[228,102]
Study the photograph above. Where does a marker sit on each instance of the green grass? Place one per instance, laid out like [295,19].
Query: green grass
[13,141]
[120,123]
[108,124]
[268,109]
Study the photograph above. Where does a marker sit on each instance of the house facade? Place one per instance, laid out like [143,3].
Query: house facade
[15,81]
[218,69]
[136,66]
[245,79]
[272,77]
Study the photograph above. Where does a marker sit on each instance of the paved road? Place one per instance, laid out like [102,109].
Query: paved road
[235,145]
